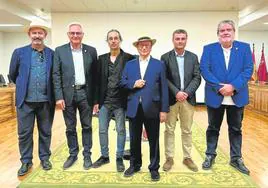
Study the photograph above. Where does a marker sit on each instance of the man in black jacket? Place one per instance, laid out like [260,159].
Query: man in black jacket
[183,75]
[112,99]
[74,78]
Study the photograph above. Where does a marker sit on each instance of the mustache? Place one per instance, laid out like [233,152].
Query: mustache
[37,39]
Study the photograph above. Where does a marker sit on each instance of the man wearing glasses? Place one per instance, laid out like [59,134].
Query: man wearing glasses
[74,75]
[31,71]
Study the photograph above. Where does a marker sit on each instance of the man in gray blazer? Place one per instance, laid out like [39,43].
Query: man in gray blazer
[183,75]
[74,74]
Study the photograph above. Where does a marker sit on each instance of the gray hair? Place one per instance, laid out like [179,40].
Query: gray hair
[114,30]
[74,23]
[230,22]
[178,31]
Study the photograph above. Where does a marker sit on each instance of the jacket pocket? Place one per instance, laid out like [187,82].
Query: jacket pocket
[156,98]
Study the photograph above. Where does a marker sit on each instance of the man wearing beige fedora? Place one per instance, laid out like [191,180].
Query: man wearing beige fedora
[31,71]
[145,80]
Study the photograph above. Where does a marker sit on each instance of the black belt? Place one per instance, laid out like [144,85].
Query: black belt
[77,87]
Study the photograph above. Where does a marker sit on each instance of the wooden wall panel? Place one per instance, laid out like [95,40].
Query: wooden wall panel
[7,104]
[258,98]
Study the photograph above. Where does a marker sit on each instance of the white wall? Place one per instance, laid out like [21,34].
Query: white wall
[201,27]
[11,41]
[256,37]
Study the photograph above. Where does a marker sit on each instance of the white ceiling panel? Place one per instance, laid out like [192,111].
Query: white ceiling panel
[248,9]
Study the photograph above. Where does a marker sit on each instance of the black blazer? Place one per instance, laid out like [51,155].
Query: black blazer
[192,78]
[64,74]
[103,76]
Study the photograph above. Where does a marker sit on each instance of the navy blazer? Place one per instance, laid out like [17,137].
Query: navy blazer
[154,94]
[19,71]
[213,70]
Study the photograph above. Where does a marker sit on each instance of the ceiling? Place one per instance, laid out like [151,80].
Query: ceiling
[252,13]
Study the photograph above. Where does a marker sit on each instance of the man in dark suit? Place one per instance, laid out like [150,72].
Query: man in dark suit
[74,79]
[31,71]
[227,67]
[112,99]
[145,80]
[183,75]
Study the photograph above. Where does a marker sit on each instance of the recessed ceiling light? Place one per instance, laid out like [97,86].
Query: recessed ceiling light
[266,23]
[11,25]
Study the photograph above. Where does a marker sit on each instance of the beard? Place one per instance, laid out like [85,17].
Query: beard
[37,41]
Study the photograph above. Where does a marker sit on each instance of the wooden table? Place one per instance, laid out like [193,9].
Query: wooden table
[7,103]
[258,98]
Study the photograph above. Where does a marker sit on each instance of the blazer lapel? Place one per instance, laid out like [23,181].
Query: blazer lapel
[233,56]
[48,62]
[85,59]
[106,65]
[138,68]
[175,67]
[148,69]
[28,59]
[69,56]
[187,64]
[221,57]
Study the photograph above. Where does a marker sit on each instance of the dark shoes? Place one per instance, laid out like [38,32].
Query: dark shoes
[87,163]
[239,165]
[209,161]
[69,162]
[24,169]
[120,165]
[101,161]
[46,164]
[131,171]
[155,176]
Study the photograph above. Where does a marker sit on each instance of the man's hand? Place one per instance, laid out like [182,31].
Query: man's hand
[139,83]
[96,109]
[227,90]
[163,117]
[181,96]
[60,104]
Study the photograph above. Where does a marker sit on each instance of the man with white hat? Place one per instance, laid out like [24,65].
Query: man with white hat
[145,80]
[30,69]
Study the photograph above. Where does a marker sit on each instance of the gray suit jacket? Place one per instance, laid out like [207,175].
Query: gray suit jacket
[192,78]
[64,74]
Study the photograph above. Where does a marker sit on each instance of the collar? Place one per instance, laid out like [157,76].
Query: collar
[145,60]
[226,49]
[76,50]
[177,55]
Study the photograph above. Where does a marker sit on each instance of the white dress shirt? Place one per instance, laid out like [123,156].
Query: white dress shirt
[78,66]
[227,100]
[143,66]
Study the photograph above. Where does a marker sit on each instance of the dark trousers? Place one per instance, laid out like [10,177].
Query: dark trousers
[85,111]
[234,119]
[26,115]
[152,129]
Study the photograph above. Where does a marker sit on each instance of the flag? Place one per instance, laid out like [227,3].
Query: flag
[254,75]
[262,67]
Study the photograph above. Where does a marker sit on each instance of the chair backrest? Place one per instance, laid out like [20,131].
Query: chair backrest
[2,79]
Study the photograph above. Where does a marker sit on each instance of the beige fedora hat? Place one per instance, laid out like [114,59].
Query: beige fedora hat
[38,24]
[144,38]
